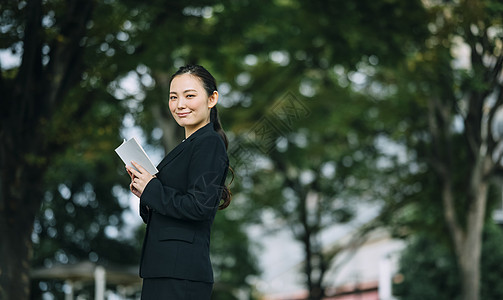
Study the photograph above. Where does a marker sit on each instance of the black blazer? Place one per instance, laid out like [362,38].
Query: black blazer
[182,202]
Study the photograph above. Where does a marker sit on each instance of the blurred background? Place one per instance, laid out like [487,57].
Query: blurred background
[365,138]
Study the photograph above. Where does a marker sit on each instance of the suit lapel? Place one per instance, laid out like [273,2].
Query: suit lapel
[171,155]
[178,149]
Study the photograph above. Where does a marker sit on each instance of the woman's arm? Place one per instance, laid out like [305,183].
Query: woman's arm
[144,213]
[139,179]
[206,174]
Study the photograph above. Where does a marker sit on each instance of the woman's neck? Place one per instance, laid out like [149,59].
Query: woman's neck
[190,130]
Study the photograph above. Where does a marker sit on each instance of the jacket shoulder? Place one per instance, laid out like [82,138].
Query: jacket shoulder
[210,138]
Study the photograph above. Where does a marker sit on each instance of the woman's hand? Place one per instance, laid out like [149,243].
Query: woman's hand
[131,187]
[139,179]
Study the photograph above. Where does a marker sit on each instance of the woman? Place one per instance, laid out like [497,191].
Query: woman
[179,203]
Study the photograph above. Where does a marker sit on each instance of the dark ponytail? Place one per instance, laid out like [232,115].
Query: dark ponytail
[210,86]
[217,126]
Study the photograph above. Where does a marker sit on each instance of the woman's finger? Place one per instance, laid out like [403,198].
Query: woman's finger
[129,172]
[133,171]
[141,169]
[134,190]
[139,180]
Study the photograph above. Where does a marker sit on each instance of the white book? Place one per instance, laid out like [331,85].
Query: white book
[132,151]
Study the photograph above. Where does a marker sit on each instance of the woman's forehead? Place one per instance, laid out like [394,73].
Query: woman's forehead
[185,82]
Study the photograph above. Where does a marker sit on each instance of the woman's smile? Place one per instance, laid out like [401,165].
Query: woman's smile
[183,114]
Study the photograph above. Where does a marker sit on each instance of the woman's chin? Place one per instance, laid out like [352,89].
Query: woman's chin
[181,122]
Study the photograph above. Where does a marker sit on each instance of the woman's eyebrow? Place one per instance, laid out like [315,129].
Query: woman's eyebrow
[186,91]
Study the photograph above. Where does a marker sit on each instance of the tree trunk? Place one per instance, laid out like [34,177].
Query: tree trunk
[468,238]
[15,248]
[469,255]
[26,149]
[20,200]
[469,263]
[467,242]
[314,260]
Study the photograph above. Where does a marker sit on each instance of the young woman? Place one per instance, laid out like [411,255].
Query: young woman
[179,203]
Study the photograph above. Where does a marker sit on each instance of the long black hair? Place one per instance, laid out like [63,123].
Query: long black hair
[210,86]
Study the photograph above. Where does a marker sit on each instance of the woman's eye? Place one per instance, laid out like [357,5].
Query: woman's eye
[172,98]
[190,96]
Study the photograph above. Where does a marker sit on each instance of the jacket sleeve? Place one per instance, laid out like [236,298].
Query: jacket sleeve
[144,213]
[207,169]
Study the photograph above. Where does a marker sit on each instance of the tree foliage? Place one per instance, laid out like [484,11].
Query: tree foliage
[313,96]
[428,268]
[48,102]
[453,81]
[306,134]
[64,107]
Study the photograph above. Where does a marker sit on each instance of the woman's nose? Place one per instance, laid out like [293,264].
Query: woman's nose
[180,103]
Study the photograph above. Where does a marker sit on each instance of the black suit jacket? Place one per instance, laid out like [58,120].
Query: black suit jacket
[182,202]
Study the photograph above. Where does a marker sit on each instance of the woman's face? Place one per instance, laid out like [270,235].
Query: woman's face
[189,103]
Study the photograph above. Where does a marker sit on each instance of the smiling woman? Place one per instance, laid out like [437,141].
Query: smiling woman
[179,203]
[189,103]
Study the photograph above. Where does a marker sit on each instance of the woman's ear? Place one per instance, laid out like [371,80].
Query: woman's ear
[213,99]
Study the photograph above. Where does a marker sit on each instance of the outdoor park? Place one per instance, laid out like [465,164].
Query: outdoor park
[365,139]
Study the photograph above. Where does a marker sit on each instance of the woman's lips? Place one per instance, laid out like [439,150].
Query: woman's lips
[181,115]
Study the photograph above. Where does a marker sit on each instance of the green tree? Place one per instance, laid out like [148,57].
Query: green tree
[61,120]
[81,217]
[454,83]
[428,268]
[308,158]
[48,101]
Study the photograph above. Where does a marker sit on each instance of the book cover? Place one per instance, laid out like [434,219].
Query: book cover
[131,150]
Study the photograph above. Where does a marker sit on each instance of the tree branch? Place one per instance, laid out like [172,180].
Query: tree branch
[66,52]
[496,71]
[23,111]
[491,142]
[437,122]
